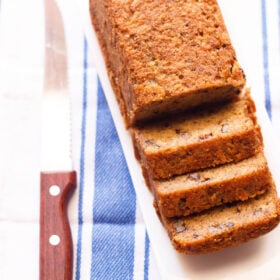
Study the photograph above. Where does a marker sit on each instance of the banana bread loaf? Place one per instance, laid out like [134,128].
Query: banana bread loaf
[194,192]
[224,226]
[166,56]
[201,139]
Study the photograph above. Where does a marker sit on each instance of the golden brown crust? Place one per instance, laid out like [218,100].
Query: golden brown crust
[195,192]
[224,226]
[164,57]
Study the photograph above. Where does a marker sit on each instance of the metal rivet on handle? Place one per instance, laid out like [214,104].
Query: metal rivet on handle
[54,240]
[54,190]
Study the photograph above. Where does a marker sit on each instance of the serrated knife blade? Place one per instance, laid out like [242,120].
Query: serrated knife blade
[58,179]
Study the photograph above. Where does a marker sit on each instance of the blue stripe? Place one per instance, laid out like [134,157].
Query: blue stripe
[265,60]
[82,163]
[147,257]
[114,203]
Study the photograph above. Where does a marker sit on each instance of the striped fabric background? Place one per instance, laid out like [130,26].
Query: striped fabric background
[119,248]
[110,239]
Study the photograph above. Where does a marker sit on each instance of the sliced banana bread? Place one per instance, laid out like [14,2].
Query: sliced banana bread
[166,56]
[194,192]
[201,139]
[224,226]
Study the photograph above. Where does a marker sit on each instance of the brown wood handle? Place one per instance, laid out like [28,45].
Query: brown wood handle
[56,248]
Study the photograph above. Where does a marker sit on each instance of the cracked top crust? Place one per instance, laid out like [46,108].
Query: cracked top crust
[168,49]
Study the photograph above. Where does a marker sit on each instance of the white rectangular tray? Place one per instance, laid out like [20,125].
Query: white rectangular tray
[258,259]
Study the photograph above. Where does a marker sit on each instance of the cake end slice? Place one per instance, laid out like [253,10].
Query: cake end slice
[224,226]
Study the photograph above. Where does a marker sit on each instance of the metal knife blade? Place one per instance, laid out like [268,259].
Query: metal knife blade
[58,179]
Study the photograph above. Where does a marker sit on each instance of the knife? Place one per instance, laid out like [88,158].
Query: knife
[57,178]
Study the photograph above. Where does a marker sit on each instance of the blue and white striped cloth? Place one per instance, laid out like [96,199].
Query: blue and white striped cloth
[110,238]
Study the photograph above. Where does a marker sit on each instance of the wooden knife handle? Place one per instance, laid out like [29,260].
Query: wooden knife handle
[56,248]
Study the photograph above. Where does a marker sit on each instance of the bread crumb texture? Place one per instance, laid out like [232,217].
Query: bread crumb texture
[197,191]
[201,139]
[225,226]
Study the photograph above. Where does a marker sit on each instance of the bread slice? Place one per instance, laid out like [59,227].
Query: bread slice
[198,191]
[202,139]
[224,226]
[166,56]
